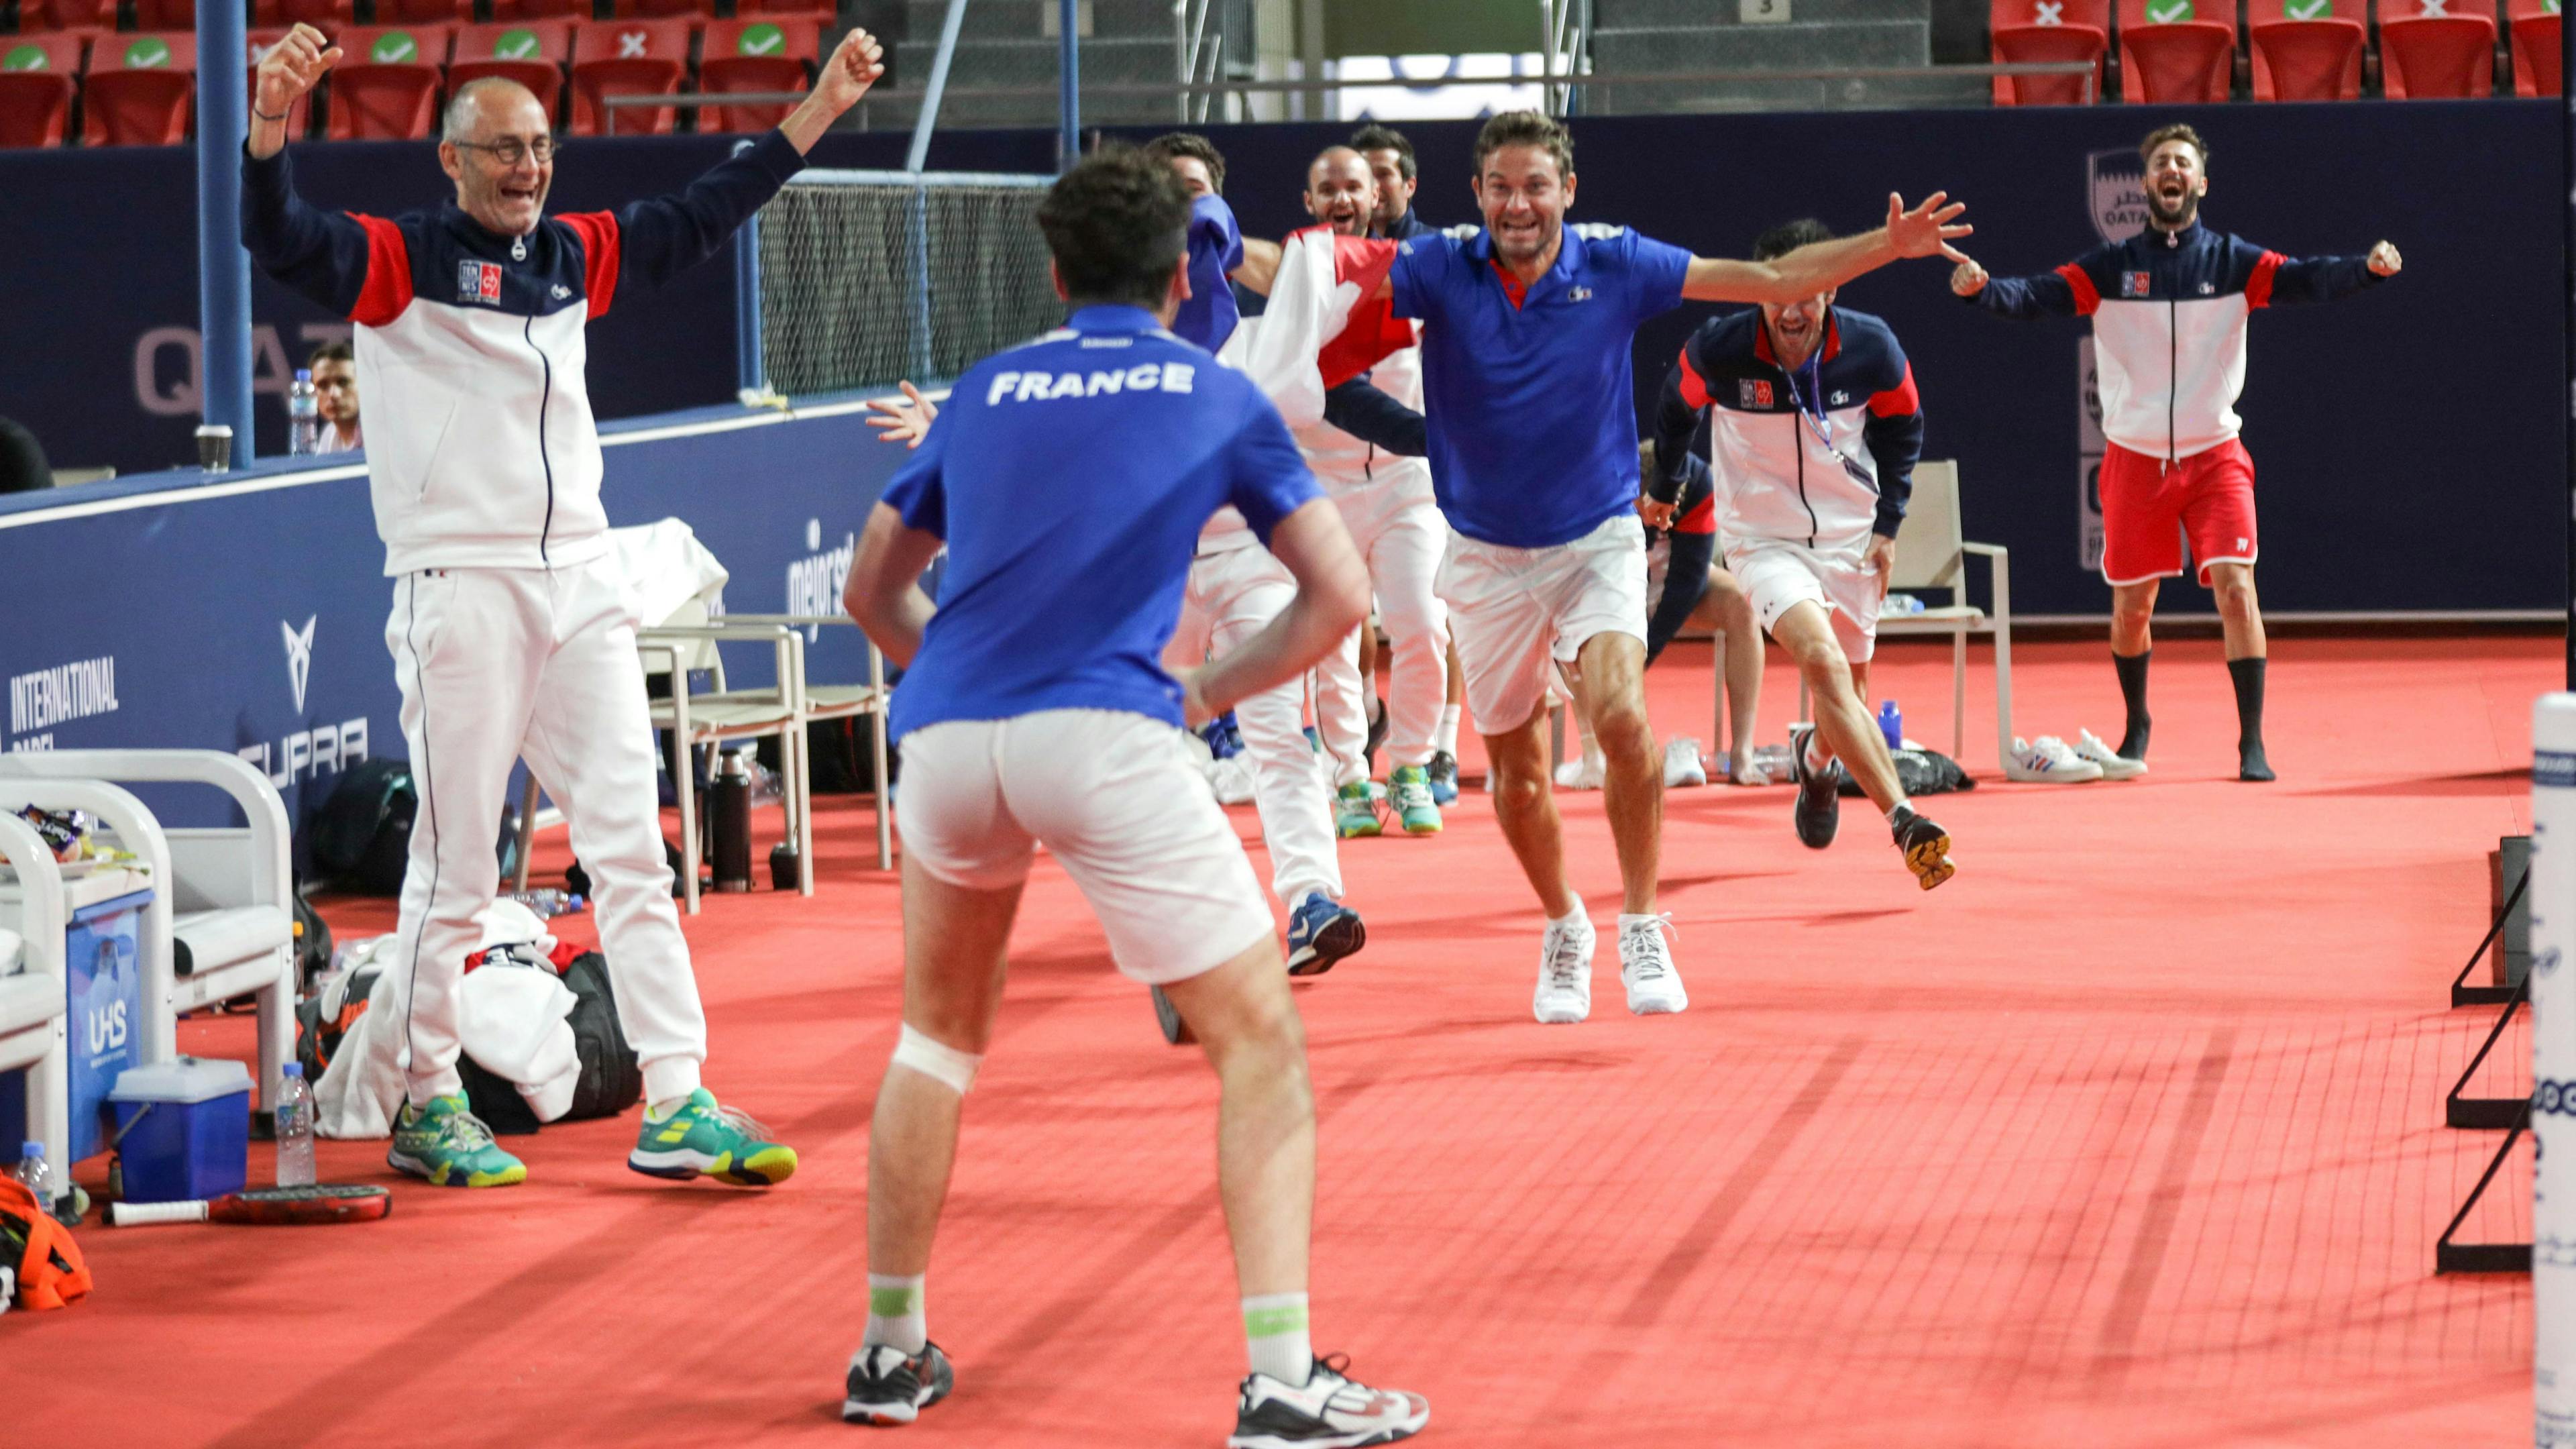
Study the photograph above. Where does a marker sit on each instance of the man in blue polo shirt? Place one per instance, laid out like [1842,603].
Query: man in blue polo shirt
[1035,708]
[1528,325]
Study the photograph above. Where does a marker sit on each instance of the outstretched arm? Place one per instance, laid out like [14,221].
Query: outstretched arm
[1260,265]
[853,66]
[1361,409]
[2327,279]
[1924,231]
[884,592]
[2066,292]
[328,257]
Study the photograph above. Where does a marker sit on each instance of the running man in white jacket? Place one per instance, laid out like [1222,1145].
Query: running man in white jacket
[1814,428]
[510,633]
[1387,503]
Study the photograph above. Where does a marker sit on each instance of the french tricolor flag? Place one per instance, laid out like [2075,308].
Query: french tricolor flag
[1325,323]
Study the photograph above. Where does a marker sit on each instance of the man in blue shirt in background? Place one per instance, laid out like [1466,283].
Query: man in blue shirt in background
[1528,328]
[1069,483]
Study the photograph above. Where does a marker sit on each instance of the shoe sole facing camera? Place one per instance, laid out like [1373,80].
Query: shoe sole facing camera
[1929,859]
[1342,936]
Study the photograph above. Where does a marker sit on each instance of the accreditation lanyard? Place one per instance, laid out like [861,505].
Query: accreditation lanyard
[1813,394]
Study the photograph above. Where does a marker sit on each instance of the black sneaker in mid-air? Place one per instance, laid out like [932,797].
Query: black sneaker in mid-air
[889,1387]
[1328,1411]
[1818,811]
[1926,847]
[1444,778]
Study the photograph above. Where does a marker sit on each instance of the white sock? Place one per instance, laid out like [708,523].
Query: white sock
[1573,917]
[896,1313]
[1901,803]
[1446,739]
[1274,1333]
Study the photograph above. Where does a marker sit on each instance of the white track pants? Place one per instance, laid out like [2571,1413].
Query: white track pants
[1233,596]
[494,664]
[1401,538]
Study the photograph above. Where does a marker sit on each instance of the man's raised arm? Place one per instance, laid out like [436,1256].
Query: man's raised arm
[1924,231]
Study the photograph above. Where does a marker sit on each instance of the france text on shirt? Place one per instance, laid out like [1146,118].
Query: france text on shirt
[1021,387]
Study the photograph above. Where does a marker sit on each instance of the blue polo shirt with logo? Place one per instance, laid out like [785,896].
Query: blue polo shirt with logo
[1070,478]
[1211,314]
[1532,419]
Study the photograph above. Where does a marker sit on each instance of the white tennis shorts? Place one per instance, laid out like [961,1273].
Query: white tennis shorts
[1110,795]
[1777,576]
[1514,611]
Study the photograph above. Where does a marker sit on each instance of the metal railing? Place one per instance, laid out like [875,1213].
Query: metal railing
[1566,49]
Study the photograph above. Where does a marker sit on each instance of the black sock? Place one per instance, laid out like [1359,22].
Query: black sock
[2133,693]
[2248,674]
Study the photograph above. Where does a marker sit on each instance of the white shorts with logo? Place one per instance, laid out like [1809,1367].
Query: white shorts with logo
[1777,576]
[1112,797]
[1517,611]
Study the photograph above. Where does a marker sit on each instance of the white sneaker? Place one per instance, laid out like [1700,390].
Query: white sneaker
[1682,764]
[1581,773]
[1564,992]
[2115,766]
[1646,965]
[2048,761]
[1330,1410]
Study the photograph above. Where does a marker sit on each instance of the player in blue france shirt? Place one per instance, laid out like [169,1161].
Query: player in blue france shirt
[1069,483]
[1528,324]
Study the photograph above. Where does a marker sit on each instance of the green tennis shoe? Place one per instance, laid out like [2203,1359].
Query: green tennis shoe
[444,1144]
[1355,811]
[1409,791]
[700,1137]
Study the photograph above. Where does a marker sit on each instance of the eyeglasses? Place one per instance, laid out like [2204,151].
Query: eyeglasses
[510,150]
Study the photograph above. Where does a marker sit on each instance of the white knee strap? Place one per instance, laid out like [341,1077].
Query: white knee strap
[944,1064]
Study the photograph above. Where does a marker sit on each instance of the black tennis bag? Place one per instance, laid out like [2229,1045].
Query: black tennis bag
[1921,772]
[362,835]
[611,1081]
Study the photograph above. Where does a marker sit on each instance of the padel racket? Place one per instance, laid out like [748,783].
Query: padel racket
[324,1203]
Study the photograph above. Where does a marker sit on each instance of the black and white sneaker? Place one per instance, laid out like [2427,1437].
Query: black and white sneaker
[887,1387]
[1818,811]
[1926,847]
[1329,1411]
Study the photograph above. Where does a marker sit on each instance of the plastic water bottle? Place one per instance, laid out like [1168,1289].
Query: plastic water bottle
[548,903]
[303,415]
[1891,723]
[35,1173]
[295,1129]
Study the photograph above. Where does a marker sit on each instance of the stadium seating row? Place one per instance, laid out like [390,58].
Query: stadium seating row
[2182,51]
[331,15]
[136,88]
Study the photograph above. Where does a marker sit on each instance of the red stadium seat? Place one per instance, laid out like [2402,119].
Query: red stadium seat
[423,12]
[138,89]
[386,89]
[2306,50]
[627,58]
[2044,30]
[2535,46]
[38,74]
[2429,52]
[82,15]
[165,15]
[757,54]
[531,52]
[2178,52]
[574,10]
[299,116]
[327,16]
[816,10]
[646,9]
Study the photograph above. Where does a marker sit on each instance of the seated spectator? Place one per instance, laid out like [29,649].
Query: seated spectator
[335,384]
[23,468]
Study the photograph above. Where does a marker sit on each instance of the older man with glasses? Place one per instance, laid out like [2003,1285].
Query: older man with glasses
[510,635]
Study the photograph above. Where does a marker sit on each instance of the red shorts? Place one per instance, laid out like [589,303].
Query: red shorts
[2149,505]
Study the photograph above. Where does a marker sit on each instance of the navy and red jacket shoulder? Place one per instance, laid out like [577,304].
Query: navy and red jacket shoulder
[369,268]
[2157,266]
[1728,363]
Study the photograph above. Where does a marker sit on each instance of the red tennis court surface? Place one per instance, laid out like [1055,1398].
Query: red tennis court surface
[2129,1136]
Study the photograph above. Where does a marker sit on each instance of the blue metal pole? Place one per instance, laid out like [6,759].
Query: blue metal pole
[752,374]
[223,267]
[928,120]
[1068,140]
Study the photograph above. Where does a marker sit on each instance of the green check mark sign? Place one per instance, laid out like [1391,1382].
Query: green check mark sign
[145,54]
[392,49]
[515,45]
[762,40]
[2165,12]
[2307,9]
[25,57]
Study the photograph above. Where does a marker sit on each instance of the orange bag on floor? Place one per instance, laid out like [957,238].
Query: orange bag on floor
[51,1272]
